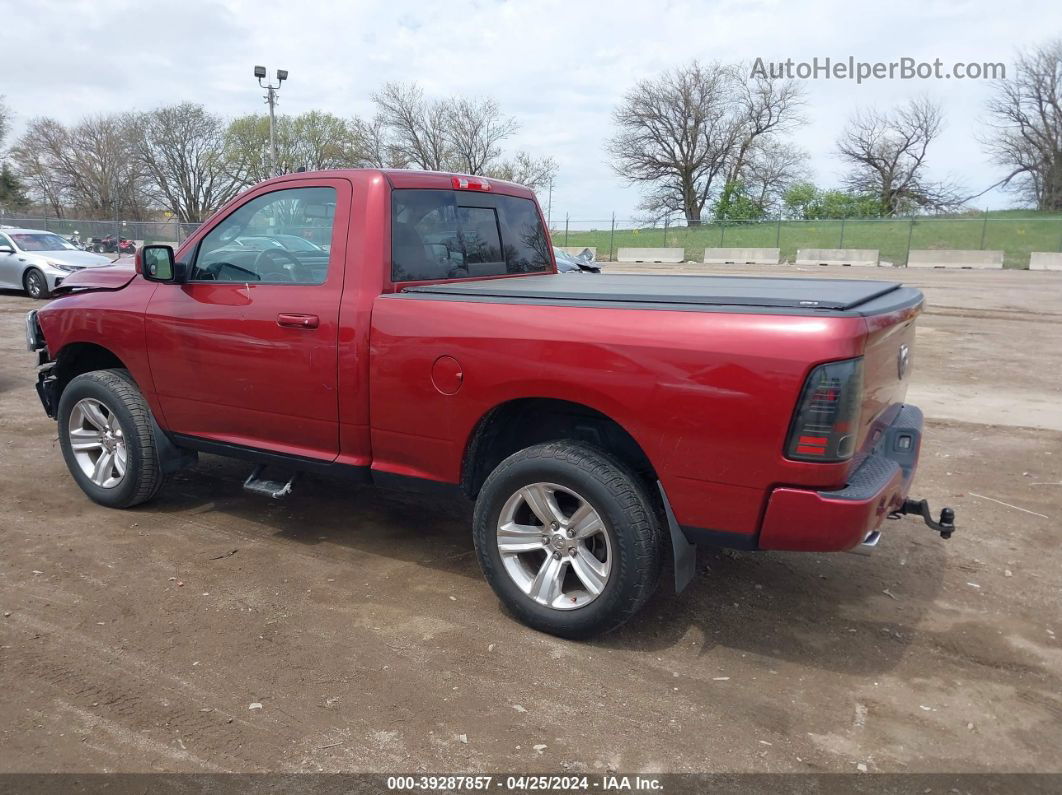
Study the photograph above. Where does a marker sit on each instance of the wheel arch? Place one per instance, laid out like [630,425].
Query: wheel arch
[522,422]
[77,358]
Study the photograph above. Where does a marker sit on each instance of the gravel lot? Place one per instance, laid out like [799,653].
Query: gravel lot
[358,619]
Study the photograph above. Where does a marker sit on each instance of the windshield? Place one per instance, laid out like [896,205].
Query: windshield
[296,243]
[41,241]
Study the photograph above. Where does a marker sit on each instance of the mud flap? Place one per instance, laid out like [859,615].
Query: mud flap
[171,457]
[683,552]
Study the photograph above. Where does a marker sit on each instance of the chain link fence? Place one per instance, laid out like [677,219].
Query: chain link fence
[142,232]
[894,238]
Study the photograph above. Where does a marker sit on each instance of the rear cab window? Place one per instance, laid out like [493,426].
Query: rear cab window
[446,234]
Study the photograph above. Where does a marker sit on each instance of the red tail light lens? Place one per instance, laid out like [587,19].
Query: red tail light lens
[827,416]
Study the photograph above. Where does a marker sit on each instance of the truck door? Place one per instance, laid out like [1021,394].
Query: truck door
[245,351]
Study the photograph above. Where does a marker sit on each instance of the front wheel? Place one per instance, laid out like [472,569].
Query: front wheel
[568,539]
[106,435]
[36,285]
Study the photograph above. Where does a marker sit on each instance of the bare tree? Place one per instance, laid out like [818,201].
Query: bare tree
[770,168]
[688,131]
[765,108]
[373,145]
[104,176]
[886,154]
[418,126]
[179,149]
[411,130]
[88,165]
[475,129]
[525,169]
[33,155]
[1026,117]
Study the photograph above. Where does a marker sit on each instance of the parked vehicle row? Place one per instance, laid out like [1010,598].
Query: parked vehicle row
[110,244]
[38,262]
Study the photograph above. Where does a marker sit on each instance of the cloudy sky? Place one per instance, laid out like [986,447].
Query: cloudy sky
[558,67]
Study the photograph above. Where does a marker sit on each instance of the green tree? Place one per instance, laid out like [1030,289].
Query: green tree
[5,120]
[735,204]
[839,204]
[805,201]
[12,194]
[313,141]
[798,198]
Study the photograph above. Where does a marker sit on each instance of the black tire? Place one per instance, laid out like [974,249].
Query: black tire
[119,394]
[36,284]
[620,499]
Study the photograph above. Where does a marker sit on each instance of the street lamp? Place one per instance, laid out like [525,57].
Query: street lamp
[271,100]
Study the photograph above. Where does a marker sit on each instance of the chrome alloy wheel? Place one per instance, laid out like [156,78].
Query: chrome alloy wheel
[554,546]
[35,284]
[98,443]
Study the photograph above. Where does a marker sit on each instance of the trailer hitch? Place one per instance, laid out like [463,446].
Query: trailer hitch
[945,525]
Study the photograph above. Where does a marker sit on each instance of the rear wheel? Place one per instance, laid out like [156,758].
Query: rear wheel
[36,285]
[107,439]
[567,538]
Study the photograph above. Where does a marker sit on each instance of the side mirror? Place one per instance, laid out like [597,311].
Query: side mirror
[157,265]
[6,250]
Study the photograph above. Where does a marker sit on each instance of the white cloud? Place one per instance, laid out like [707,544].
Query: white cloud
[559,67]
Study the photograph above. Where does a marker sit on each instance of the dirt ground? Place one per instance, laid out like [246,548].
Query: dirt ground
[358,619]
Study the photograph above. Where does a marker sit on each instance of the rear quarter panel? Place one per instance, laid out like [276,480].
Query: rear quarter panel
[707,395]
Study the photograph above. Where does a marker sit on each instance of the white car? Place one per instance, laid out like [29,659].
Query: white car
[37,261]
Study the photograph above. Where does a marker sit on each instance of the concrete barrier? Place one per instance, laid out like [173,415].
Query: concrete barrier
[741,256]
[1045,261]
[859,257]
[954,258]
[650,255]
[575,251]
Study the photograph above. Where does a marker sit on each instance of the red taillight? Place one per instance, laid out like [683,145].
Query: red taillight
[470,183]
[828,413]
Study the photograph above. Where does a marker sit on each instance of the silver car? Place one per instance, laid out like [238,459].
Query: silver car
[37,261]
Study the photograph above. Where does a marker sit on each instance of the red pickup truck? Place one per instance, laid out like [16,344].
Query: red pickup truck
[409,329]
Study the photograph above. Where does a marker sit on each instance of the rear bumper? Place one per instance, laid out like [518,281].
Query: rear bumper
[826,521]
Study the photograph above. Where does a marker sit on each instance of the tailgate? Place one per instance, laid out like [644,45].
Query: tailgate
[888,359]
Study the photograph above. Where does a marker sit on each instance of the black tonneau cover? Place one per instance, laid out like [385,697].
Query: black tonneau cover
[684,292]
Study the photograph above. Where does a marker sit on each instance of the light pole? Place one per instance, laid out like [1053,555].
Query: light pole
[271,100]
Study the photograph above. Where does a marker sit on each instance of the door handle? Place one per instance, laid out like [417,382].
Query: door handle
[295,320]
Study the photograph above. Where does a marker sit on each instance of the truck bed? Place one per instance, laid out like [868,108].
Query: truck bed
[685,293]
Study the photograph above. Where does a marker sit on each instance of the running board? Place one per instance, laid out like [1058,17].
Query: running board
[276,489]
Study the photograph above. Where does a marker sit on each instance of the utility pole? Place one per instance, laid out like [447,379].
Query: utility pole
[549,204]
[271,101]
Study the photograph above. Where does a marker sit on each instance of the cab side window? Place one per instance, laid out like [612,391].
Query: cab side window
[281,237]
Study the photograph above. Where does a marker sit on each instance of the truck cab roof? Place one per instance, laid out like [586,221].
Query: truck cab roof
[402,178]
